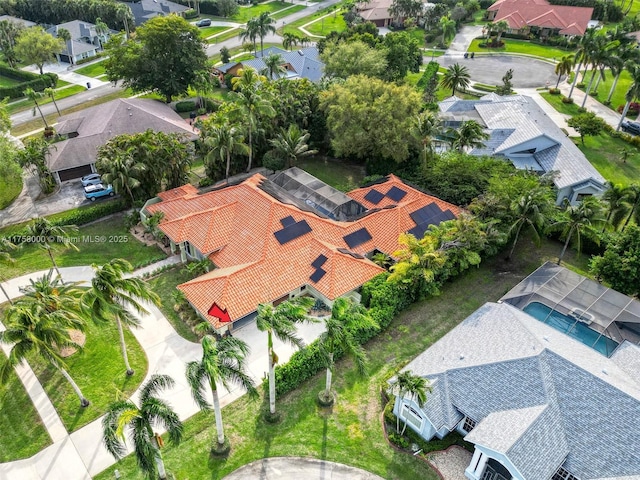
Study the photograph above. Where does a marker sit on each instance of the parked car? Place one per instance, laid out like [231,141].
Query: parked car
[205,22]
[91,192]
[631,127]
[91,179]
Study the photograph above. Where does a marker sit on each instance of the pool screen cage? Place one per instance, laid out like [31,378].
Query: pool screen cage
[606,311]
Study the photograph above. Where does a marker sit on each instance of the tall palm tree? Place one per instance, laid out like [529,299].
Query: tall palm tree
[346,319]
[273,64]
[616,63]
[426,127]
[250,33]
[222,141]
[102,30]
[531,212]
[500,27]
[456,76]
[265,26]
[413,386]
[582,54]
[448,28]
[123,172]
[281,321]
[39,324]
[43,232]
[564,67]
[248,79]
[141,420]
[5,258]
[289,40]
[599,55]
[110,295]
[578,220]
[51,93]
[304,40]
[65,36]
[616,196]
[253,107]
[633,92]
[291,144]
[223,362]
[633,200]
[470,134]
[32,95]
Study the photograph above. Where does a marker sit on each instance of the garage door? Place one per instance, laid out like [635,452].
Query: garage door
[77,172]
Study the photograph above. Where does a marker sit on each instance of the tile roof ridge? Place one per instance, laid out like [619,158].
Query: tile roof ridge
[194,214]
[219,273]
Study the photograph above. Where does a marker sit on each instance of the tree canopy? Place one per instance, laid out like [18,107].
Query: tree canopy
[342,60]
[165,57]
[35,46]
[619,266]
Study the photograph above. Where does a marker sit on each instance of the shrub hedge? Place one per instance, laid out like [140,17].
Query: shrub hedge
[31,80]
[185,106]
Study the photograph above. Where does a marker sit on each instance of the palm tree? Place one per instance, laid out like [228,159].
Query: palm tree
[470,134]
[274,67]
[418,260]
[500,27]
[102,30]
[222,141]
[616,196]
[347,318]
[250,33]
[281,321]
[455,77]
[448,27]
[291,144]
[110,295]
[414,386]
[223,362]
[633,200]
[43,232]
[616,63]
[247,79]
[564,67]
[580,219]
[5,258]
[426,127]
[599,54]
[530,211]
[582,55]
[304,40]
[633,91]
[253,107]
[123,172]
[32,95]
[51,93]
[65,35]
[289,39]
[141,420]
[39,324]
[265,26]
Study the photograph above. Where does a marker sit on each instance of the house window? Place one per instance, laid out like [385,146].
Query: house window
[188,249]
[582,196]
[412,416]
[469,424]
[562,474]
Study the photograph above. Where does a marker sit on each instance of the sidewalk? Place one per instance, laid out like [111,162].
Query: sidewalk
[68,75]
[592,105]
[80,455]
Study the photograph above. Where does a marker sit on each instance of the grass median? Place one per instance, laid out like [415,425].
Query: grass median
[512,45]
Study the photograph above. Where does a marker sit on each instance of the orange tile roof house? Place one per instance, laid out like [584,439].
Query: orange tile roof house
[272,240]
[522,15]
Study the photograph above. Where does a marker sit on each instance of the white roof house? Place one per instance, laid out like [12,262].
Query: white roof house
[522,132]
[536,403]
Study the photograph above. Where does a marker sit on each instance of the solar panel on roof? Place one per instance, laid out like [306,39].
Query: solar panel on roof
[374,196]
[317,275]
[396,194]
[418,230]
[286,221]
[292,232]
[357,238]
[425,213]
[318,262]
[449,215]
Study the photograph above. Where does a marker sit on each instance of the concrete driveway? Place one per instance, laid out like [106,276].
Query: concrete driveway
[489,69]
[296,468]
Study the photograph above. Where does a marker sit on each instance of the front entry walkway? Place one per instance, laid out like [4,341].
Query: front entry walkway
[295,468]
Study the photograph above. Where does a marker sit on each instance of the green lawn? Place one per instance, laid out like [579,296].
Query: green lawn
[521,46]
[351,431]
[603,152]
[617,99]
[93,70]
[31,258]
[287,12]
[556,102]
[233,32]
[247,13]
[8,82]
[340,175]
[100,373]
[326,25]
[293,27]
[26,104]
[23,434]
[10,188]
[208,31]
[164,285]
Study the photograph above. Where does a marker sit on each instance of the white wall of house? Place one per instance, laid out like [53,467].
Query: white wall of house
[537,144]
[481,456]
[416,418]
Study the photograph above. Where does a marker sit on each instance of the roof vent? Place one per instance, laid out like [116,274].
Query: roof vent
[462,356]
[604,370]
[546,338]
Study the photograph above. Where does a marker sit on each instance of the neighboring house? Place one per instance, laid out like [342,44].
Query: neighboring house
[540,17]
[91,128]
[85,41]
[536,403]
[521,132]
[17,21]
[377,12]
[144,10]
[272,240]
[303,63]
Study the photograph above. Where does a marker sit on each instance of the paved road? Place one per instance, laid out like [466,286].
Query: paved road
[296,468]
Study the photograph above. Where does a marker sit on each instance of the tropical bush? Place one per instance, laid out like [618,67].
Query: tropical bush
[185,106]
[30,80]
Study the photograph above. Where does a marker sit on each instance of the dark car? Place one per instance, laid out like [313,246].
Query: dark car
[205,22]
[631,127]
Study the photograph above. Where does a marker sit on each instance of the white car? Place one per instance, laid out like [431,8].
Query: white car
[91,179]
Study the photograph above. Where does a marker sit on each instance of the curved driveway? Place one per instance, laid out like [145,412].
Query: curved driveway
[296,468]
[489,69]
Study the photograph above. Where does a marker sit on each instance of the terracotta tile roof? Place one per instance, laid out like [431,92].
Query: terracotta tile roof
[236,227]
[539,13]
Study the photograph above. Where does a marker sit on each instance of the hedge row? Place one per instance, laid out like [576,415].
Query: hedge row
[38,84]
[17,74]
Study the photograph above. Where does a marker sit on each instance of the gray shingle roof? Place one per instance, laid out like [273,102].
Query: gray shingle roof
[17,21]
[143,10]
[501,360]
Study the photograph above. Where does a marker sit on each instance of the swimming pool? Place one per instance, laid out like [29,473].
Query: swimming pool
[571,327]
